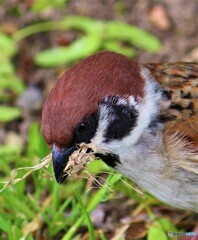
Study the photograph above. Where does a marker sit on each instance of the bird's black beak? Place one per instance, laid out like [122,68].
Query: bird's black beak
[60,157]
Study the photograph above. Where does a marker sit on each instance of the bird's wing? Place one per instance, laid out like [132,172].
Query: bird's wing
[180,112]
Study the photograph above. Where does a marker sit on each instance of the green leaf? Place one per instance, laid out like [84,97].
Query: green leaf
[86,216]
[9,150]
[8,114]
[8,46]
[135,36]
[12,83]
[81,48]
[5,224]
[6,68]
[116,46]
[5,96]
[156,232]
[17,204]
[87,25]
[16,233]
[9,81]
[36,143]
[168,226]
[97,166]
[39,6]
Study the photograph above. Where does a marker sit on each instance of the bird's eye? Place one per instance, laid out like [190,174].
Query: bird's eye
[83,128]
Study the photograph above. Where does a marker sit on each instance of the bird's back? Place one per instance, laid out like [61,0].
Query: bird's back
[180,111]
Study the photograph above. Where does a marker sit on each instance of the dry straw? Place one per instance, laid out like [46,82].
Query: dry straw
[75,166]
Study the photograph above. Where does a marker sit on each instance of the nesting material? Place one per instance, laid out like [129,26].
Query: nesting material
[13,179]
[79,160]
[75,166]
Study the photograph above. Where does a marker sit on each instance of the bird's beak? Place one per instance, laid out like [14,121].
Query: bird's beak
[60,157]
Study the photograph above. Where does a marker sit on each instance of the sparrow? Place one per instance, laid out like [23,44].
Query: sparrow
[142,119]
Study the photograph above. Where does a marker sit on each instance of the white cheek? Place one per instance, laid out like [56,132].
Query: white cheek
[148,107]
[104,119]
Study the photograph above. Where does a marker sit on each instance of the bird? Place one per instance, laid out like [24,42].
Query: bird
[141,117]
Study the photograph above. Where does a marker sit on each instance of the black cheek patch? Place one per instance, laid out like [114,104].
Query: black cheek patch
[124,120]
[110,159]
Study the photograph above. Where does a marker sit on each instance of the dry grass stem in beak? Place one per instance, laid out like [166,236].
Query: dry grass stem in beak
[79,160]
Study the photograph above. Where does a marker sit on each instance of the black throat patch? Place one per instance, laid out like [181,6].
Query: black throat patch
[109,158]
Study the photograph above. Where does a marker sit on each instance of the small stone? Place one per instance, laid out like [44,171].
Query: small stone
[12,138]
[192,56]
[98,215]
[159,18]
[31,100]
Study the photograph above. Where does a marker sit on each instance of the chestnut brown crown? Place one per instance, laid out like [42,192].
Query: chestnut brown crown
[78,92]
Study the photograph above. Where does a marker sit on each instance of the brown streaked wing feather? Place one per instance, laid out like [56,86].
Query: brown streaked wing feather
[180,111]
[180,83]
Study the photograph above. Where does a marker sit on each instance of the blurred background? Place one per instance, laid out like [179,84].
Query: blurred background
[39,40]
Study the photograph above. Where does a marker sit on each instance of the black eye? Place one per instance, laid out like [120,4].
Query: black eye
[83,128]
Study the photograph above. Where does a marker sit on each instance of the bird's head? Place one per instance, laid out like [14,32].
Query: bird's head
[105,100]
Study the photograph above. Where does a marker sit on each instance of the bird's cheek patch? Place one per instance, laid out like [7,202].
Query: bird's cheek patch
[124,121]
